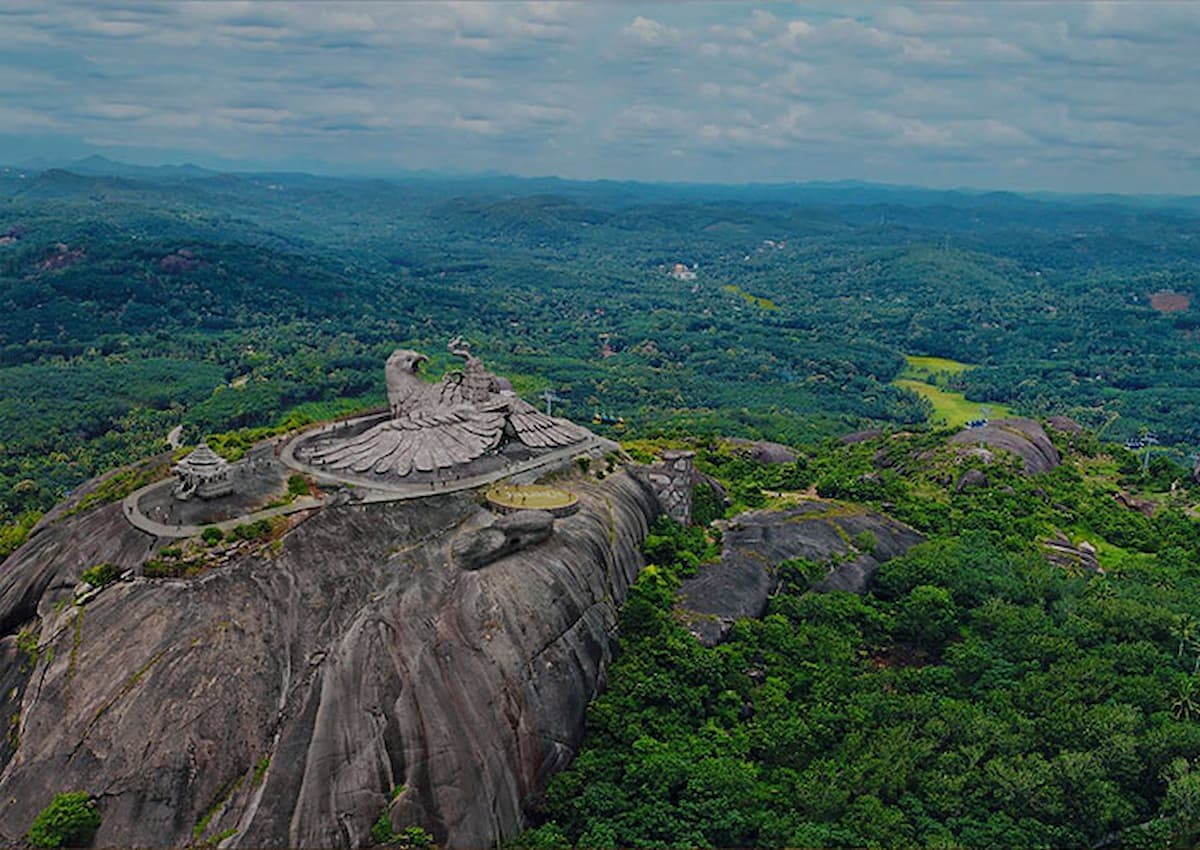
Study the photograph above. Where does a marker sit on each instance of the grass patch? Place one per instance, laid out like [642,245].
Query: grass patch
[750,298]
[27,643]
[921,368]
[118,486]
[1112,558]
[950,408]
[260,770]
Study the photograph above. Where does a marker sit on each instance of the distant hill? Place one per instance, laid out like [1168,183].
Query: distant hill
[102,166]
[609,194]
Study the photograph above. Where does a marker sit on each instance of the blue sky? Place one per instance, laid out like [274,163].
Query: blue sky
[1069,97]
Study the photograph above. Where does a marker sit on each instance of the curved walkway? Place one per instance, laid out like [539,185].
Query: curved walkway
[369,494]
[129,509]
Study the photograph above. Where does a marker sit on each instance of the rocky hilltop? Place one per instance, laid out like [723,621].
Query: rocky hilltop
[292,695]
[850,542]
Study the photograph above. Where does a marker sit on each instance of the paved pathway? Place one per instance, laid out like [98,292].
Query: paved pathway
[140,521]
[370,495]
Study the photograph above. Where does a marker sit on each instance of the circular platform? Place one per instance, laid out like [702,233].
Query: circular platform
[507,498]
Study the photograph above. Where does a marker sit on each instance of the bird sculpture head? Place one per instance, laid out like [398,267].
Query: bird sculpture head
[404,387]
[406,359]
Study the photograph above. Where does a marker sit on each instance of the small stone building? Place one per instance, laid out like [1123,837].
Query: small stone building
[203,473]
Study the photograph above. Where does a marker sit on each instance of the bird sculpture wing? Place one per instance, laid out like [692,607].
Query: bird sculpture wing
[421,441]
[537,430]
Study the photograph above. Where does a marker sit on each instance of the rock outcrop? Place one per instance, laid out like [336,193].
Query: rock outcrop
[1146,507]
[280,700]
[1023,437]
[972,479]
[855,437]
[1064,425]
[764,451]
[1061,552]
[478,548]
[756,542]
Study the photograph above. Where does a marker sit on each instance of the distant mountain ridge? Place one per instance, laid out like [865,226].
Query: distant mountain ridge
[846,191]
[99,166]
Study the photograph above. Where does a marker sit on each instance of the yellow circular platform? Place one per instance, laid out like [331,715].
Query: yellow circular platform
[531,497]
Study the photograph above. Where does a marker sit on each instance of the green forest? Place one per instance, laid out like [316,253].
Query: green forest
[129,306]
[978,696]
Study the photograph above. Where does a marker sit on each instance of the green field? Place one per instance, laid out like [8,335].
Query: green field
[951,408]
[927,377]
[919,367]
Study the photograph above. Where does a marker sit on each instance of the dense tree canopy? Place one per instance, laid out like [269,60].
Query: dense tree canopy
[978,696]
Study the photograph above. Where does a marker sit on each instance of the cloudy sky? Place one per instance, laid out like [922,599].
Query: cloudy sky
[1072,97]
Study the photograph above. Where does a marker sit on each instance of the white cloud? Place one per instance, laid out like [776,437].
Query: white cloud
[479,126]
[115,111]
[930,20]
[650,32]
[116,28]
[547,86]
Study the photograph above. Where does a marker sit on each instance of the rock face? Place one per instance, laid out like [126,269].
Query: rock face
[971,480]
[1065,425]
[278,701]
[508,534]
[860,436]
[764,451]
[1146,507]
[1062,553]
[1023,437]
[757,541]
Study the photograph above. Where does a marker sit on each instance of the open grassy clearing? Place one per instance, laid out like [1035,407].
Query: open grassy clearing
[950,408]
[919,366]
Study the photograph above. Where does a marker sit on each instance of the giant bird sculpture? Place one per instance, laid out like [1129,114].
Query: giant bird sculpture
[444,425]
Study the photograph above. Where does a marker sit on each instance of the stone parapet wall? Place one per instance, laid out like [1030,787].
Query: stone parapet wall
[671,479]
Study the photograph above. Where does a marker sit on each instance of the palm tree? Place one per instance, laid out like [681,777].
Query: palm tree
[1186,704]
[1185,630]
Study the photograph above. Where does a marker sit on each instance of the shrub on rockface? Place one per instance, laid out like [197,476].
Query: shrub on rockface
[297,485]
[101,575]
[212,535]
[409,838]
[71,820]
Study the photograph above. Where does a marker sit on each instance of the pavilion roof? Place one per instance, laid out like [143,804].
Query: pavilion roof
[202,461]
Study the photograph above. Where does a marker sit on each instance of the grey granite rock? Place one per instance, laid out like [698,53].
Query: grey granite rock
[1023,437]
[508,534]
[356,658]
[1062,553]
[860,436]
[764,451]
[970,480]
[756,542]
[1065,424]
